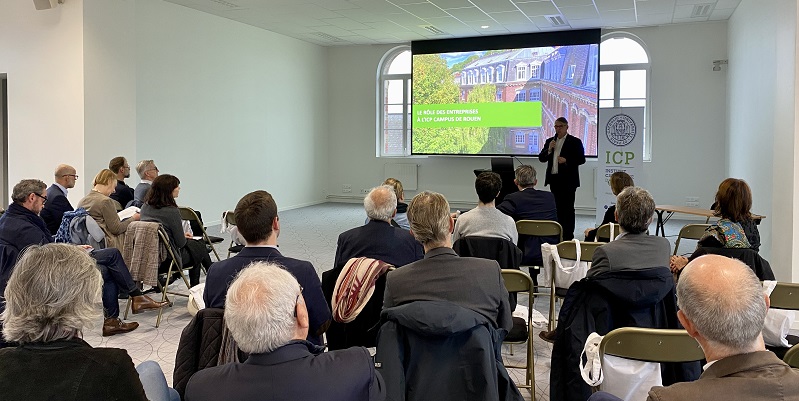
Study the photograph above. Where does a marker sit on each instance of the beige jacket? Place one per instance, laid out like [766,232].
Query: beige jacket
[103,210]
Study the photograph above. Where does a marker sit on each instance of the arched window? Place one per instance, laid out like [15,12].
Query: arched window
[394,104]
[624,68]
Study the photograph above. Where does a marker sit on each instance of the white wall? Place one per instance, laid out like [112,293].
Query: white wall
[762,100]
[42,53]
[688,123]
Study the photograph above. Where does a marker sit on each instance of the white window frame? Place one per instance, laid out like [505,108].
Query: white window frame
[617,69]
[406,107]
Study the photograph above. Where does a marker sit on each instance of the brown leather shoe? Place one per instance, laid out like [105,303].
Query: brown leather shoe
[113,325]
[141,303]
[548,336]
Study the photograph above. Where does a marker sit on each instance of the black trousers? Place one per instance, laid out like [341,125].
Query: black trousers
[564,202]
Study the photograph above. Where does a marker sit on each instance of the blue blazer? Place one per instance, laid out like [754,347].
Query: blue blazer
[531,204]
[57,204]
[221,274]
[378,240]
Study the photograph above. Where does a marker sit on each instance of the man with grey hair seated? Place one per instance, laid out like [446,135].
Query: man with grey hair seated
[266,315]
[147,172]
[378,239]
[722,306]
[442,275]
[633,249]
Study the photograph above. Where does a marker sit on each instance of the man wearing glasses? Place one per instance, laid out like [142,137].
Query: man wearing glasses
[147,172]
[57,202]
[563,153]
[123,193]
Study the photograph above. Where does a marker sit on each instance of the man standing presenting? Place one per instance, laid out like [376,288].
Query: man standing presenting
[563,153]
[57,202]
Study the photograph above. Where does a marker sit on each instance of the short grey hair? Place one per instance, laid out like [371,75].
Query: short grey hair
[141,168]
[525,176]
[428,214]
[729,311]
[25,188]
[52,294]
[635,208]
[380,203]
[260,306]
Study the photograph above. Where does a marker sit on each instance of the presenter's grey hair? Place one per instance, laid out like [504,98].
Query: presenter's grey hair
[25,188]
[428,214]
[52,294]
[635,208]
[380,203]
[260,305]
[733,317]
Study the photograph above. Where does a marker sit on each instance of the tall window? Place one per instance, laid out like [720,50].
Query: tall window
[624,78]
[394,103]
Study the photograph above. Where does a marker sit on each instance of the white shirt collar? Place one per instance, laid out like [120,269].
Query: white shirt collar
[62,187]
[146,182]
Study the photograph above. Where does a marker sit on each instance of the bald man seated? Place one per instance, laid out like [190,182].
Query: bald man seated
[57,202]
[723,307]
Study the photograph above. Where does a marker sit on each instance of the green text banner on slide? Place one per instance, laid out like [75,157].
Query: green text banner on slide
[519,114]
[620,148]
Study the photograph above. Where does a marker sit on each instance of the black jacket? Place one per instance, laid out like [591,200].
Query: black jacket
[433,350]
[574,153]
[749,256]
[19,228]
[199,346]
[630,298]
[57,204]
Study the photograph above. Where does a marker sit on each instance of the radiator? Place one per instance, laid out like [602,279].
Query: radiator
[406,173]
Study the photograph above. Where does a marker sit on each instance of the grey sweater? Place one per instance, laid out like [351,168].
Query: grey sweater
[169,217]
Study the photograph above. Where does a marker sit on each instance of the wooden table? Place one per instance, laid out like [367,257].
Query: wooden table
[695,211]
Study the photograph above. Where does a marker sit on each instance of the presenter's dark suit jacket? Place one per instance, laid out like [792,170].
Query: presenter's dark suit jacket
[574,153]
[295,371]
[221,274]
[754,376]
[442,275]
[376,240]
[57,204]
[531,204]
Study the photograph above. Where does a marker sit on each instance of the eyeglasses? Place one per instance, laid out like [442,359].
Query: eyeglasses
[41,196]
[559,126]
[70,175]
[297,301]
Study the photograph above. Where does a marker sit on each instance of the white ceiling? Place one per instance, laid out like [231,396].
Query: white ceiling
[344,22]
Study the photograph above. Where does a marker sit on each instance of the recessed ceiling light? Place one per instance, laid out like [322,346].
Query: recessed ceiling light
[484,26]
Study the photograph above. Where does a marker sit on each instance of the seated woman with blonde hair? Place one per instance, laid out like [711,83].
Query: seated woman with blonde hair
[104,211]
[50,299]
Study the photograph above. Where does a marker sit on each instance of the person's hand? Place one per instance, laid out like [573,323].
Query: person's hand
[86,247]
[188,235]
[561,160]
[136,216]
[677,263]
[552,146]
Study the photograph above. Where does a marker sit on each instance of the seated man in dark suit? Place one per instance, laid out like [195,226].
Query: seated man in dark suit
[378,239]
[258,223]
[723,307]
[633,248]
[442,275]
[57,202]
[267,317]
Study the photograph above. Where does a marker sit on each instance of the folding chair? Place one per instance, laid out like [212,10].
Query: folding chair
[567,250]
[174,266]
[187,213]
[650,345]
[230,219]
[607,230]
[690,231]
[785,296]
[792,357]
[519,281]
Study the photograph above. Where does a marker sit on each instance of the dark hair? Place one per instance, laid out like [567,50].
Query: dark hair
[488,184]
[116,163]
[255,214]
[620,180]
[562,120]
[160,193]
[734,200]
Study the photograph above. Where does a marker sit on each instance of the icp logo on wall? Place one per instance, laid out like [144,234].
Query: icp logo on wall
[620,130]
